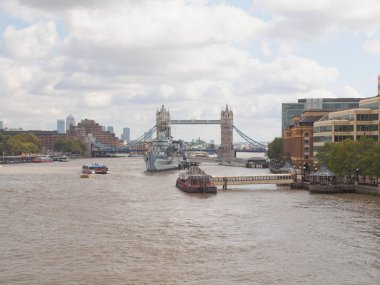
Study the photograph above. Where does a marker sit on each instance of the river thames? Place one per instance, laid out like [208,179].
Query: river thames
[133,227]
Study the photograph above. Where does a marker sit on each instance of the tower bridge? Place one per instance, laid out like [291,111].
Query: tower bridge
[163,122]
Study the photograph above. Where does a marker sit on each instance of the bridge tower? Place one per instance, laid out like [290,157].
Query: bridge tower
[163,123]
[226,149]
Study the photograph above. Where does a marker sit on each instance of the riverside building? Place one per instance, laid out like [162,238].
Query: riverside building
[332,104]
[297,139]
[307,133]
[86,127]
[349,124]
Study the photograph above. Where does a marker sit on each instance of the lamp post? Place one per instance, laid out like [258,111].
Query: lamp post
[357,175]
[304,173]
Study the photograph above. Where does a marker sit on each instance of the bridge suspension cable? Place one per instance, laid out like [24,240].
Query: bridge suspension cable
[144,137]
[248,139]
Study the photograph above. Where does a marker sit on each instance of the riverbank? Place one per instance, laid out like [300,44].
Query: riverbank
[336,189]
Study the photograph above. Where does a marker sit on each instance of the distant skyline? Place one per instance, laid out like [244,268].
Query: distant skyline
[118,61]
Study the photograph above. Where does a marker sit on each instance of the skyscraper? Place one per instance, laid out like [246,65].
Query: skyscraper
[110,129]
[1,125]
[61,126]
[126,135]
[70,121]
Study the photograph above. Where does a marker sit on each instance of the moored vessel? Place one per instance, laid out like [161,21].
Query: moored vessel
[163,153]
[195,180]
[41,159]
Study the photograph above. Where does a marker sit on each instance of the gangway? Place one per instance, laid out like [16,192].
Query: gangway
[280,179]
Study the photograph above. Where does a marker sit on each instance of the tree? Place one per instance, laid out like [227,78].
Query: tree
[4,146]
[275,149]
[344,158]
[70,146]
[23,143]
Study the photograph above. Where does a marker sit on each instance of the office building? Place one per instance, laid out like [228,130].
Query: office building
[61,126]
[349,124]
[308,132]
[332,104]
[1,125]
[126,135]
[110,129]
[70,122]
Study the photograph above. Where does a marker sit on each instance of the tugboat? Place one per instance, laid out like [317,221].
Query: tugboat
[195,180]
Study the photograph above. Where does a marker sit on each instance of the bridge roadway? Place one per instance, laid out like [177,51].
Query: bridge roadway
[195,122]
[280,179]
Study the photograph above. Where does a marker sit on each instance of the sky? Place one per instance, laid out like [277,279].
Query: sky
[118,61]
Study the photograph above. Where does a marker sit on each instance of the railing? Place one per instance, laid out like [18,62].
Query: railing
[254,179]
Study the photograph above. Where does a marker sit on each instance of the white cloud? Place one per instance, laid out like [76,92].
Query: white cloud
[305,20]
[118,61]
[34,41]
[97,100]
[372,46]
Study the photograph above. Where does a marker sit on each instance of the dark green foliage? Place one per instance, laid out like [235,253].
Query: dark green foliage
[346,157]
[275,149]
[69,146]
[19,144]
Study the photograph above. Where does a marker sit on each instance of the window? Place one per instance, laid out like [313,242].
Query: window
[342,138]
[344,128]
[367,128]
[367,117]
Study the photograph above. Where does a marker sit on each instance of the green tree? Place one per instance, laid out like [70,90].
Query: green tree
[345,157]
[23,143]
[69,146]
[275,149]
[4,146]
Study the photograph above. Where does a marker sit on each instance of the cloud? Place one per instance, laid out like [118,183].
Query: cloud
[97,100]
[118,61]
[305,21]
[31,42]
[372,46]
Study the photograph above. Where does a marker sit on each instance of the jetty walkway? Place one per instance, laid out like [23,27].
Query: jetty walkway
[279,179]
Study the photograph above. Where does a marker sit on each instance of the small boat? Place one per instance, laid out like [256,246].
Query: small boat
[94,168]
[199,154]
[41,159]
[195,180]
[63,158]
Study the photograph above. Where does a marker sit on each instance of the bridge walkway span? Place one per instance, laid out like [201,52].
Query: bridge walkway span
[281,179]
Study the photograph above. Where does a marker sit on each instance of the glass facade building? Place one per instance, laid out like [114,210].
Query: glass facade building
[70,121]
[61,126]
[126,134]
[334,104]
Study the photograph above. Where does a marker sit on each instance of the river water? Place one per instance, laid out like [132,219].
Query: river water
[132,227]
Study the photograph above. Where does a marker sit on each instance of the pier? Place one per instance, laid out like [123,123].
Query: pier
[278,179]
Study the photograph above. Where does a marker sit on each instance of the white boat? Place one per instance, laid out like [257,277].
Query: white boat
[63,158]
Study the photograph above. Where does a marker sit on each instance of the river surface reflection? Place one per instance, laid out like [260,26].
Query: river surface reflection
[133,227]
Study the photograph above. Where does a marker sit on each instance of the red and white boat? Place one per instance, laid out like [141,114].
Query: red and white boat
[195,180]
